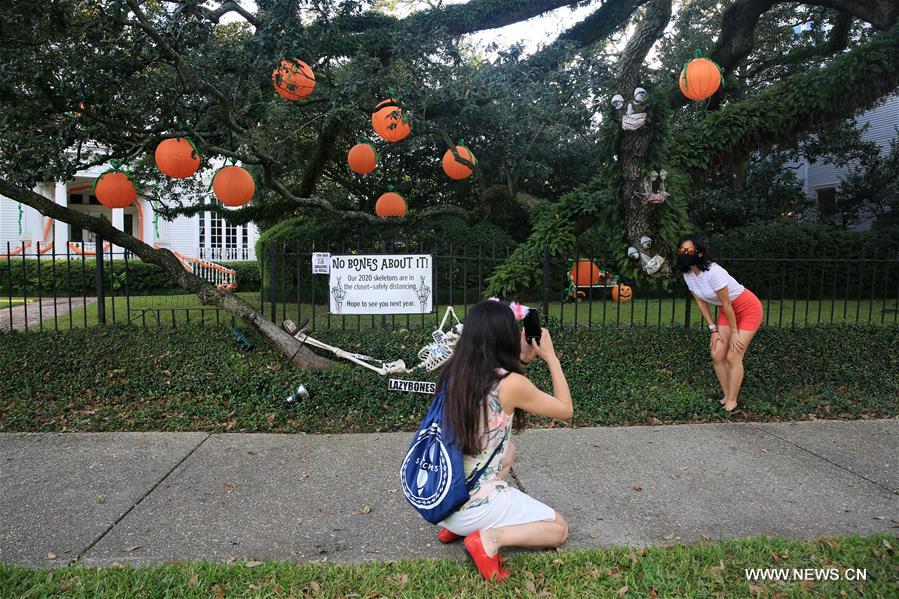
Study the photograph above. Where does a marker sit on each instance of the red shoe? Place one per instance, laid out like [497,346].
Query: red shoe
[491,568]
[447,536]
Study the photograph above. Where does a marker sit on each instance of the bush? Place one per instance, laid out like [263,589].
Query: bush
[810,260]
[77,277]
[194,378]
[454,243]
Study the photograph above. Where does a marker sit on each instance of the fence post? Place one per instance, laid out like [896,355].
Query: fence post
[273,273]
[98,272]
[545,281]
[689,304]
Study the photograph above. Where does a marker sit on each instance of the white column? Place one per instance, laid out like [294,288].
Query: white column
[148,232]
[118,219]
[61,229]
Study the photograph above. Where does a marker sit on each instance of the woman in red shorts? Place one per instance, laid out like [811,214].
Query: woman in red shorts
[739,314]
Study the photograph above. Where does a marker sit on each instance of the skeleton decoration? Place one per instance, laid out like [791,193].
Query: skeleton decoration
[634,116]
[654,187]
[432,356]
[649,265]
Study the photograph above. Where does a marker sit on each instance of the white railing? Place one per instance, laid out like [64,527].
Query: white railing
[226,254]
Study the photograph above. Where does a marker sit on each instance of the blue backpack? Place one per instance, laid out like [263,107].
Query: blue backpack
[433,473]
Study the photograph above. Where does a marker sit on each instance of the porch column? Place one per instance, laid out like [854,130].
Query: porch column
[118,219]
[149,235]
[61,229]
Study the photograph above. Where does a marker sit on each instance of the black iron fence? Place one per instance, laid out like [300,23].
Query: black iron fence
[82,287]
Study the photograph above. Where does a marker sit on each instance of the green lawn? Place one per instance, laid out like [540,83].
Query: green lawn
[181,309]
[705,569]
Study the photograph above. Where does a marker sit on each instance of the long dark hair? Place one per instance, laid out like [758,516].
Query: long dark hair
[705,261]
[490,340]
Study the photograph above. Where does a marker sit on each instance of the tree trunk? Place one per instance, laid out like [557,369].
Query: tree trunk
[208,293]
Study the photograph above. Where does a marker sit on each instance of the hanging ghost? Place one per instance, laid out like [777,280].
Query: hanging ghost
[633,115]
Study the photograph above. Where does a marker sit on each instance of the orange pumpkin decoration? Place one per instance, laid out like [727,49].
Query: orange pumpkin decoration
[233,186]
[387,121]
[455,169]
[390,204]
[700,78]
[622,293]
[362,158]
[114,189]
[177,158]
[293,79]
[584,273]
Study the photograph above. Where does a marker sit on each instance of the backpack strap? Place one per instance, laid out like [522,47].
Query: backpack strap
[469,482]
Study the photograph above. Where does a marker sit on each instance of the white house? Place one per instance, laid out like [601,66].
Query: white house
[203,237]
[822,180]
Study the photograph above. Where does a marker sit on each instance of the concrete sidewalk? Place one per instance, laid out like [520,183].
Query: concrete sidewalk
[162,497]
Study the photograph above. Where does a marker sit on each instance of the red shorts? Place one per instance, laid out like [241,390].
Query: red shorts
[747,309]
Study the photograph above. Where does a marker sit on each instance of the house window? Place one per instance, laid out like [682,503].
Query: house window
[202,220]
[215,232]
[827,203]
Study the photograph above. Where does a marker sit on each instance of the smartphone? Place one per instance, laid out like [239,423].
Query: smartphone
[532,330]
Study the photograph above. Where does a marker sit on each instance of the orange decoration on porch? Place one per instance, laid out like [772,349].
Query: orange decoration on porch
[293,79]
[388,122]
[584,273]
[233,186]
[455,169]
[177,158]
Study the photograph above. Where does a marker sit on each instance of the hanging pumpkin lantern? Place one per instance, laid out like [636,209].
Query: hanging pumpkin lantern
[362,158]
[584,273]
[233,186]
[622,294]
[293,79]
[390,204]
[388,122]
[700,78]
[455,169]
[114,188]
[177,157]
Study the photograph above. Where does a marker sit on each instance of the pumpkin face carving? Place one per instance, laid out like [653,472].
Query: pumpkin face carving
[622,294]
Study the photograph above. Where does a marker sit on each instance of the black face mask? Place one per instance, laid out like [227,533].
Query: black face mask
[688,260]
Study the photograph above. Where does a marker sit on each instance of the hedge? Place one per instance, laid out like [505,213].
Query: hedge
[130,379]
[23,277]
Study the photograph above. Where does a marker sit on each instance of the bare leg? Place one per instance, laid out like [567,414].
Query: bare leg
[718,348]
[546,533]
[735,370]
[508,458]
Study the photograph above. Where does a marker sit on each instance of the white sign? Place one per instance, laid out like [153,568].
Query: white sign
[321,263]
[426,387]
[381,284]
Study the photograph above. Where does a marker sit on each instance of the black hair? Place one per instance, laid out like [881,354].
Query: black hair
[705,261]
[490,340]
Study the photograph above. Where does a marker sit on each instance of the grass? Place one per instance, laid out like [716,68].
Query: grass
[706,569]
[164,310]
